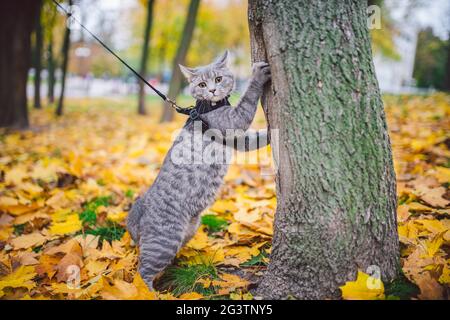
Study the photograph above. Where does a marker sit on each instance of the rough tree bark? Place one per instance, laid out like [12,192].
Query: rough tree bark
[336,187]
[38,59]
[144,59]
[16,24]
[65,54]
[176,79]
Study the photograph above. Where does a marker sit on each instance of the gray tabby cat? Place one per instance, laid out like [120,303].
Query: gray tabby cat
[166,217]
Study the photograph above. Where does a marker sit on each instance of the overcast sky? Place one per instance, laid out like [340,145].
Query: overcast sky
[433,13]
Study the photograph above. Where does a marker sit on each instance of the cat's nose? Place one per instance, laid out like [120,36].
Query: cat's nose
[212,90]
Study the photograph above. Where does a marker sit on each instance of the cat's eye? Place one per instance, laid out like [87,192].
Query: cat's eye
[202,85]
[218,79]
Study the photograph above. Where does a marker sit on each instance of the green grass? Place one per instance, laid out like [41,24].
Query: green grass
[214,223]
[89,215]
[112,231]
[19,229]
[256,260]
[182,279]
[129,193]
[401,289]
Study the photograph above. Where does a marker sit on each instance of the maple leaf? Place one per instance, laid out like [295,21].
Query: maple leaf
[229,282]
[223,206]
[28,259]
[71,224]
[429,287]
[200,240]
[191,296]
[21,278]
[445,276]
[96,267]
[122,290]
[28,240]
[364,287]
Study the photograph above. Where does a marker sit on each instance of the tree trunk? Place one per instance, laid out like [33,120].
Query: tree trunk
[51,66]
[447,68]
[38,59]
[176,79]
[16,24]
[143,71]
[336,186]
[65,54]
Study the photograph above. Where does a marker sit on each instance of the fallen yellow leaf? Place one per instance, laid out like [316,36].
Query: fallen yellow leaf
[21,278]
[364,287]
[70,225]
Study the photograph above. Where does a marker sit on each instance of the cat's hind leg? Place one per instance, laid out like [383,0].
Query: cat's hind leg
[191,229]
[157,248]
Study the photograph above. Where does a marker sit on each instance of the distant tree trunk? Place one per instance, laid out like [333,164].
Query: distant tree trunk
[186,37]
[51,66]
[16,24]
[65,54]
[38,59]
[145,49]
[336,188]
[447,68]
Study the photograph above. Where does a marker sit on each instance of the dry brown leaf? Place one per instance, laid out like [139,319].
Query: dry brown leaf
[27,241]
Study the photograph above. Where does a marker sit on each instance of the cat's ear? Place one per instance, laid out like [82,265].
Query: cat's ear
[187,72]
[221,62]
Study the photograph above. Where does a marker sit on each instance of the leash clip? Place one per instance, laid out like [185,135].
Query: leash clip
[194,115]
[173,104]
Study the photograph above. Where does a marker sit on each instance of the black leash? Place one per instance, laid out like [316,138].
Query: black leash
[159,93]
[201,106]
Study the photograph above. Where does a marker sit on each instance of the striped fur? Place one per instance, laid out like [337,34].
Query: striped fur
[167,215]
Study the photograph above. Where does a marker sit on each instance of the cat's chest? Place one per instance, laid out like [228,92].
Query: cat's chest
[193,147]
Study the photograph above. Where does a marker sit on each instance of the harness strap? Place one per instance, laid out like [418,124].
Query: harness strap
[203,107]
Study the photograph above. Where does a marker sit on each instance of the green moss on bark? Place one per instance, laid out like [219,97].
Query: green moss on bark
[336,184]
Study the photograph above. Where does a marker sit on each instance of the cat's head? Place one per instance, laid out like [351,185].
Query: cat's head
[213,82]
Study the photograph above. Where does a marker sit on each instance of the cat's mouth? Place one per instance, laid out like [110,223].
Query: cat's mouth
[216,98]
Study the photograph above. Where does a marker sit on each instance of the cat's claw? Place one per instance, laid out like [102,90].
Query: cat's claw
[261,72]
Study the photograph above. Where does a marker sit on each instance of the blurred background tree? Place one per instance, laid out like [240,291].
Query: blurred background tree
[430,68]
[17,19]
[65,60]
[145,48]
[52,40]
[37,56]
[180,58]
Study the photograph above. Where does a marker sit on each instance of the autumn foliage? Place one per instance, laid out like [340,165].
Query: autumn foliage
[67,184]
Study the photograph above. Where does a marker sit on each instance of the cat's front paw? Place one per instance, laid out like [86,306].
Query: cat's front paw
[261,72]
